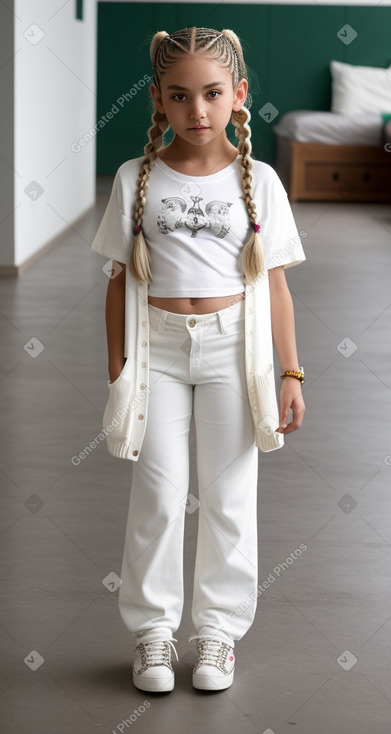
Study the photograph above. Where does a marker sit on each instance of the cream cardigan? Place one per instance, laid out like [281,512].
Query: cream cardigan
[126,413]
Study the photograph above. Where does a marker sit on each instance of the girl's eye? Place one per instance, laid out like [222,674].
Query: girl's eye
[213,94]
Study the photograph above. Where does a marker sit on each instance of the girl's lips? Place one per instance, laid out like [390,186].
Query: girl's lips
[203,127]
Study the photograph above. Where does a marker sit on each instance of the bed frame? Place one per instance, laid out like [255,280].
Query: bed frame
[320,172]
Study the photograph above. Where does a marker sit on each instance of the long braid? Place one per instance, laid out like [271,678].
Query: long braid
[140,260]
[224,47]
[252,255]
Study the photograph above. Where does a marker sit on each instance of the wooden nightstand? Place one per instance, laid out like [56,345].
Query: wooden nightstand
[315,171]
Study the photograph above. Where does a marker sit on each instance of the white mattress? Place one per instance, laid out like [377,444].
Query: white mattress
[309,126]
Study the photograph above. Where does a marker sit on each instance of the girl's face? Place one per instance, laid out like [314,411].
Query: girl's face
[197,96]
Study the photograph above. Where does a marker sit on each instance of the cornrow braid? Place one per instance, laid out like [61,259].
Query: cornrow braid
[225,48]
[155,43]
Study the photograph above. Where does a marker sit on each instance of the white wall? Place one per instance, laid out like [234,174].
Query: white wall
[6,135]
[54,105]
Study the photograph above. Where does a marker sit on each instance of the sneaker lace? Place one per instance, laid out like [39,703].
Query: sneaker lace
[209,646]
[157,651]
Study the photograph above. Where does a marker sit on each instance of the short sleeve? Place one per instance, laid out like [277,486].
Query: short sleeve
[278,230]
[114,237]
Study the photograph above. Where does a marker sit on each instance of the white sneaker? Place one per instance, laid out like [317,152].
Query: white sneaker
[215,664]
[152,668]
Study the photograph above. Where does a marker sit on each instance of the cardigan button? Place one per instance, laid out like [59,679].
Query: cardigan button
[141,417]
[135,453]
[144,344]
[143,364]
[144,323]
[143,386]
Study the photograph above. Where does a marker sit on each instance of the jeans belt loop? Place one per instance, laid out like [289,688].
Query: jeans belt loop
[223,328]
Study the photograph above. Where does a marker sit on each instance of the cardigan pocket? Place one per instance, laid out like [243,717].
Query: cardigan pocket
[119,376]
[118,414]
[267,407]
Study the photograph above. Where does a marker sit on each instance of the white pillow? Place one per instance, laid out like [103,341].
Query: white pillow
[357,89]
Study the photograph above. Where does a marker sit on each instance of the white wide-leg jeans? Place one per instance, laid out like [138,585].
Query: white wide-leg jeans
[197,364]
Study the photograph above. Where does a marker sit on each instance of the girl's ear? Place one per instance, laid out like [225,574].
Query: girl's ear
[240,95]
[157,97]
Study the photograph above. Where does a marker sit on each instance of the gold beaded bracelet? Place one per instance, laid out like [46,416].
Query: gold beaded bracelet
[294,373]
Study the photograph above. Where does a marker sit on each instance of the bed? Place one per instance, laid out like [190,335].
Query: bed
[343,154]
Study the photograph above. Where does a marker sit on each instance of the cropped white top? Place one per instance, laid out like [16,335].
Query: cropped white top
[195,228]
[181,242]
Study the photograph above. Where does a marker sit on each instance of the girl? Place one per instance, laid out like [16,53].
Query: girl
[196,294]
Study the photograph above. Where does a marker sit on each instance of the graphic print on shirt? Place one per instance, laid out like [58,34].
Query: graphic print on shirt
[173,216]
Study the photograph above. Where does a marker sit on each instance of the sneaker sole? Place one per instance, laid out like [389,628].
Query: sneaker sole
[208,683]
[153,685]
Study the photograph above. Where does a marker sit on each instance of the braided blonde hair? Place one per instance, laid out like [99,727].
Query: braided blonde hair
[225,48]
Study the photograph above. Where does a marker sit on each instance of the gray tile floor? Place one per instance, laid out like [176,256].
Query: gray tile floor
[317,658]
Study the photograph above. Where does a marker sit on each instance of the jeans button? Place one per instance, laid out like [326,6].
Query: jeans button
[192,322]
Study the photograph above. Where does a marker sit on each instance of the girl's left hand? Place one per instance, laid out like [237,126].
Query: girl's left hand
[291,397]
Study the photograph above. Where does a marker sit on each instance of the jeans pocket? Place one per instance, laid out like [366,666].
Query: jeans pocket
[154,319]
[154,327]
[236,326]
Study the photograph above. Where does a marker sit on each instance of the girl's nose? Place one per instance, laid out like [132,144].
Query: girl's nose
[198,112]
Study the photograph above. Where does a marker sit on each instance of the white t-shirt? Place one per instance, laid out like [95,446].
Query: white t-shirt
[196,226]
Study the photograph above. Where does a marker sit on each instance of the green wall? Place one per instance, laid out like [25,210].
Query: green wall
[287,48]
